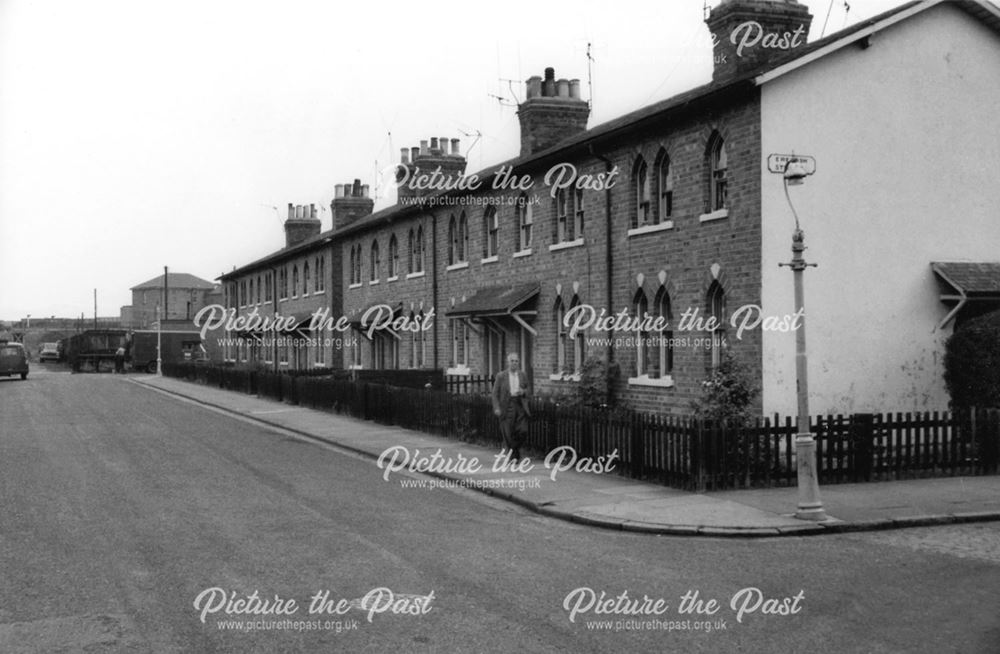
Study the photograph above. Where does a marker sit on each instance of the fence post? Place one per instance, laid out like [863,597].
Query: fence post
[988,439]
[862,437]
[637,453]
[698,441]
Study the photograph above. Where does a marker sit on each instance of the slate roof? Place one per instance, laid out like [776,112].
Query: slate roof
[974,279]
[496,300]
[175,280]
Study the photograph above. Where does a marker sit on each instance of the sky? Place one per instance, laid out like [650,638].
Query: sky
[141,134]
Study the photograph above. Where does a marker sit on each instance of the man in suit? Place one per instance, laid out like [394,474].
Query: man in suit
[510,404]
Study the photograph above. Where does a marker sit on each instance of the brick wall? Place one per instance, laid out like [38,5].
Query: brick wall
[689,256]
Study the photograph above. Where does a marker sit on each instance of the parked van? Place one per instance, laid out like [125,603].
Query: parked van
[13,360]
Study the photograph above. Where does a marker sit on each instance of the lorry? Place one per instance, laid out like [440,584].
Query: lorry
[94,348]
[176,345]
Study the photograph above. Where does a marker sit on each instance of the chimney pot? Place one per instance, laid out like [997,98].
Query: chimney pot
[291,211]
[434,143]
[455,149]
[563,88]
[357,189]
[534,85]
[338,191]
[404,155]
[423,148]
[574,89]
[414,153]
[364,190]
[549,84]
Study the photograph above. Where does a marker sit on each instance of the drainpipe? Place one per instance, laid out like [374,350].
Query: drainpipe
[434,284]
[608,258]
[274,312]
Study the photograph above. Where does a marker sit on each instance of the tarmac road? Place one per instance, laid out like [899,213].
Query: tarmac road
[120,506]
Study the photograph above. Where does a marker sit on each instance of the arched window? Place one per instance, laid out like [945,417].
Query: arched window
[321,274]
[641,306]
[664,359]
[664,188]
[718,163]
[578,213]
[640,177]
[491,233]
[559,312]
[420,248]
[579,343]
[463,240]
[393,257]
[716,306]
[376,263]
[410,252]
[452,241]
[524,223]
[305,278]
[563,227]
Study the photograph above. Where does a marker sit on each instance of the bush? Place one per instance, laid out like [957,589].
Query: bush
[972,363]
[728,395]
[598,381]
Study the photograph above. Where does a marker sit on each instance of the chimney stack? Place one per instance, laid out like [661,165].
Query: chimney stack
[350,202]
[748,34]
[302,224]
[425,160]
[551,112]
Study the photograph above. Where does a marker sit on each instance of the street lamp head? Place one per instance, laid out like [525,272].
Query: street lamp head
[795,172]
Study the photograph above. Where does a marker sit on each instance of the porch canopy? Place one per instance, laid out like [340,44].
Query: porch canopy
[516,301]
[259,334]
[963,282]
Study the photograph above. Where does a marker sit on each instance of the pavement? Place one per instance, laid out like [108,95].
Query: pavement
[603,498]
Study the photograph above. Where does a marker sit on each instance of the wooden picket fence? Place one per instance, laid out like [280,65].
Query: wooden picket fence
[677,451]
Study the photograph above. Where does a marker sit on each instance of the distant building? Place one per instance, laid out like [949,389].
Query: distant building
[185,295]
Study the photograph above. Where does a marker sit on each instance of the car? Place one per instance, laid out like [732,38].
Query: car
[13,360]
[49,352]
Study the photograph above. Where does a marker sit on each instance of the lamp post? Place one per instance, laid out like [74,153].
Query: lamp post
[159,342]
[810,505]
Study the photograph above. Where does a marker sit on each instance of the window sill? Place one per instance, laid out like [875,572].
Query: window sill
[666,381]
[373,282]
[356,367]
[565,376]
[461,265]
[487,260]
[392,279]
[715,215]
[351,286]
[565,245]
[415,275]
[319,292]
[650,229]
[521,253]
[458,371]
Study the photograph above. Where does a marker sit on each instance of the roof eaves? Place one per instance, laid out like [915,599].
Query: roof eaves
[979,9]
